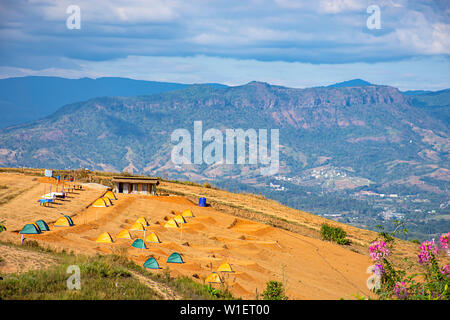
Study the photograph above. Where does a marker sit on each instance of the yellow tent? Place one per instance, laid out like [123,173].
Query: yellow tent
[62,222]
[99,203]
[213,278]
[124,234]
[179,219]
[143,221]
[105,237]
[187,213]
[107,201]
[152,238]
[225,267]
[171,224]
[110,195]
[137,226]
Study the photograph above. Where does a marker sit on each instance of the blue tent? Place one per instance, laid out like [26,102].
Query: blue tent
[151,263]
[175,258]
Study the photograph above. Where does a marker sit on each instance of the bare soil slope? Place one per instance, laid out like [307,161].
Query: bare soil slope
[309,267]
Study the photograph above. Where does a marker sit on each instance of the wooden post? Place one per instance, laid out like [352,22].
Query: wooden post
[181,233]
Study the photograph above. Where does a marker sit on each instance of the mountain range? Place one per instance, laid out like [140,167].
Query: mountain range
[342,138]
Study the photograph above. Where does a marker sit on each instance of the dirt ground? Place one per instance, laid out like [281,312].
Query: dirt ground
[15,260]
[309,268]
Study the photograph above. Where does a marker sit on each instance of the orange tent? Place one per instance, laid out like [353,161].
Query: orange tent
[124,234]
[110,195]
[105,237]
[187,213]
[179,219]
[137,226]
[213,278]
[171,224]
[99,203]
[63,222]
[152,238]
[143,221]
[225,267]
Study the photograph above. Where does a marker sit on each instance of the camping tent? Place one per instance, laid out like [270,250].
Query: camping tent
[171,224]
[175,258]
[138,243]
[107,201]
[213,278]
[42,225]
[110,195]
[143,221]
[105,237]
[187,213]
[124,234]
[30,229]
[225,267]
[64,222]
[99,203]
[137,226]
[151,263]
[152,238]
[179,219]
[70,220]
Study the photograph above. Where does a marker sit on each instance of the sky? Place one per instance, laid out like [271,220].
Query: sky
[294,43]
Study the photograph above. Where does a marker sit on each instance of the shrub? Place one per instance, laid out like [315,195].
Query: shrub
[207,185]
[334,234]
[274,291]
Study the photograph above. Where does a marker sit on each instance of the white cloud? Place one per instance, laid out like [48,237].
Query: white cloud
[421,36]
[111,11]
[338,6]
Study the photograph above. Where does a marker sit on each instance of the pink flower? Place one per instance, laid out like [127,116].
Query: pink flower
[378,250]
[445,240]
[446,270]
[401,291]
[427,250]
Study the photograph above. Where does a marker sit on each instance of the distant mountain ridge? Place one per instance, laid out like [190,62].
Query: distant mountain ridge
[25,99]
[372,123]
[351,83]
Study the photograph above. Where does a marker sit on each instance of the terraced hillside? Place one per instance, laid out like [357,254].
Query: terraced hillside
[261,239]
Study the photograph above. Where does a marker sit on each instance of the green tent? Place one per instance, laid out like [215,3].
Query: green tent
[151,263]
[175,258]
[42,225]
[30,229]
[139,243]
[70,220]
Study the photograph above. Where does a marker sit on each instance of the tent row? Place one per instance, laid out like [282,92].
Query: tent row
[35,227]
[151,262]
[105,237]
[40,225]
[105,201]
[179,219]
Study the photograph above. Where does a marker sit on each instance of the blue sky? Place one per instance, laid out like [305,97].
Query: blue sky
[285,42]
